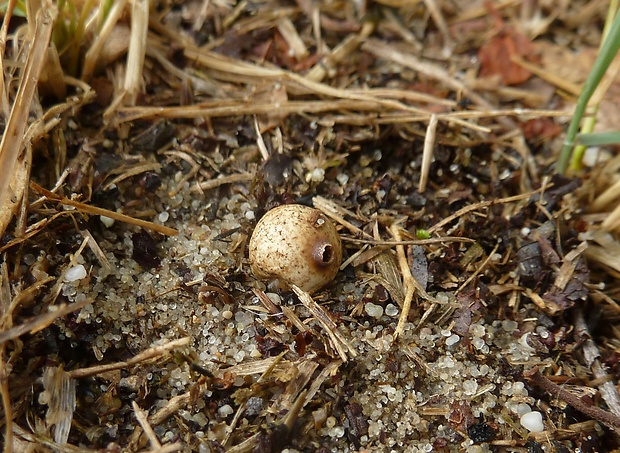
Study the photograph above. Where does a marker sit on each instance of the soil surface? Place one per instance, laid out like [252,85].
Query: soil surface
[475,308]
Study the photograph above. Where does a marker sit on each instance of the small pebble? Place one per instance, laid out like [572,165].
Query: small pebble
[373,310]
[225,410]
[533,422]
[107,221]
[316,175]
[227,314]
[391,310]
[75,273]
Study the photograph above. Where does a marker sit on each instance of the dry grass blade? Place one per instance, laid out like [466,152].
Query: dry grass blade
[222,180]
[339,342]
[93,54]
[5,311]
[427,152]
[137,50]
[60,397]
[337,213]
[340,52]
[560,82]
[408,282]
[479,269]
[606,255]
[385,51]
[51,82]
[592,355]
[146,427]
[40,322]
[4,31]
[105,212]
[18,182]
[612,222]
[483,204]
[435,11]
[606,198]
[145,355]
[12,142]
[174,404]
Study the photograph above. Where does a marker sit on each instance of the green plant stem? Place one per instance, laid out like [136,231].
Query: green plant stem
[609,48]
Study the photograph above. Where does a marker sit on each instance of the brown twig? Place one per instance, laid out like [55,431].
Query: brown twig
[591,354]
[42,321]
[94,210]
[148,354]
[408,281]
[610,420]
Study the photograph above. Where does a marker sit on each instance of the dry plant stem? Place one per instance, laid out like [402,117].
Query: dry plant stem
[607,418]
[133,171]
[340,52]
[408,281]
[92,55]
[591,354]
[604,199]
[12,139]
[145,355]
[440,22]
[4,31]
[340,343]
[479,270]
[41,321]
[291,36]
[174,404]
[336,213]
[137,50]
[44,441]
[297,83]
[6,402]
[217,182]
[21,296]
[104,212]
[612,222]
[550,77]
[607,252]
[229,107]
[482,11]
[5,311]
[482,204]
[441,240]
[146,427]
[386,51]
[167,448]
[260,142]
[427,153]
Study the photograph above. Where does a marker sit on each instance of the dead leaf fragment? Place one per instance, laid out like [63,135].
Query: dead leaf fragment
[496,56]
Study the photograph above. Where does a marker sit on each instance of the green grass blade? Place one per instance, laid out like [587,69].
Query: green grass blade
[608,51]
[599,138]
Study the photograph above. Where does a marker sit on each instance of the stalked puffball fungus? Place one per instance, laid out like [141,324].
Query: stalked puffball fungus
[296,245]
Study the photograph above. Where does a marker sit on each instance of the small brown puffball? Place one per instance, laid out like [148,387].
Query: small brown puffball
[297,245]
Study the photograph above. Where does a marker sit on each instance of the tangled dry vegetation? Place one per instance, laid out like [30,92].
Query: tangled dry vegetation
[142,142]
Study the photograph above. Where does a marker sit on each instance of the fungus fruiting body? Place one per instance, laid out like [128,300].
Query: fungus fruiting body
[297,245]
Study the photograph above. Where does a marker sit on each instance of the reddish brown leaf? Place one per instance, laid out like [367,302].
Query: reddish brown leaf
[539,129]
[496,56]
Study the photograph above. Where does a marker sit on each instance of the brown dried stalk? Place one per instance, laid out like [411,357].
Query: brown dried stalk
[13,137]
[610,420]
[94,210]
